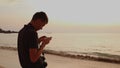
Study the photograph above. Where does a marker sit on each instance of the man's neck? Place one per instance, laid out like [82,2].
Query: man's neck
[32,23]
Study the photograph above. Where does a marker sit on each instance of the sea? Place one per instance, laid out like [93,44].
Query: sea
[97,46]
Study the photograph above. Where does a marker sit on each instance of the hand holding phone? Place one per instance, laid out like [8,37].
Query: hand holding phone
[46,40]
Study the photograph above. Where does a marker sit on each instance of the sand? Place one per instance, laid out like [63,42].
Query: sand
[9,59]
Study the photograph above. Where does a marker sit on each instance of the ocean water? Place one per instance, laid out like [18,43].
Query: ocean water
[91,44]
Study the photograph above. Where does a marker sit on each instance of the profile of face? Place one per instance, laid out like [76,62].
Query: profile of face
[39,24]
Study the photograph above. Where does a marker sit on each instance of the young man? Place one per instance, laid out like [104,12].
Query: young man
[28,51]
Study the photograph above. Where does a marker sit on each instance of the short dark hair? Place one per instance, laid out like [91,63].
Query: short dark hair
[40,15]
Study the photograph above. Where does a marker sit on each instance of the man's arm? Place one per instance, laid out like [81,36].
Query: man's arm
[41,39]
[35,53]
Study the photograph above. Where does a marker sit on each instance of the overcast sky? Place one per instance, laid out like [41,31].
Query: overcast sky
[64,15]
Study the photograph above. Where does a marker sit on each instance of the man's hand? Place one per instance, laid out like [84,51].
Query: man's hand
[41,39]
[46,40]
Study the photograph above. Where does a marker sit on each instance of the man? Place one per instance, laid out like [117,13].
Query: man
[28,51]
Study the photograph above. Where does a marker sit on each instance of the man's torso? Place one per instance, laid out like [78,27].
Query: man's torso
[27,38]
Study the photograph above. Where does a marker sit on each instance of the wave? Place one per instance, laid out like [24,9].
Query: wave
[96,56]
[87,56]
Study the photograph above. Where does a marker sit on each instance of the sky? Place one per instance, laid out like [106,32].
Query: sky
[64,15]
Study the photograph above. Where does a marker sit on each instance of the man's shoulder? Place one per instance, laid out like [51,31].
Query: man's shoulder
[27,29]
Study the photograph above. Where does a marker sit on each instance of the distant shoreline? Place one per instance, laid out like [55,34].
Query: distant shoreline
[7,31]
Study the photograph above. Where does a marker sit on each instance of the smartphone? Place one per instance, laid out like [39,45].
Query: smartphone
[49,38]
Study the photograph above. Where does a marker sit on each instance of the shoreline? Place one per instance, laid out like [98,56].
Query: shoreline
[83,57]
[9,59]
[63,54]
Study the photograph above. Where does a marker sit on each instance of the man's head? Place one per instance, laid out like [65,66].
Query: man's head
[39,20]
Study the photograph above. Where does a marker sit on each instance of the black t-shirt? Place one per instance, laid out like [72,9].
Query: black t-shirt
[27,38]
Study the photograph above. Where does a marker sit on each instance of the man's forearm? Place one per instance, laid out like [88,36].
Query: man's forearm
[35,53]
[41,49]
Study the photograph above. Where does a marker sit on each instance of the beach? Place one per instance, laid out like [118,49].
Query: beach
[9,59]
